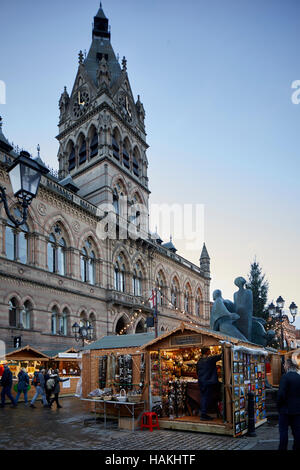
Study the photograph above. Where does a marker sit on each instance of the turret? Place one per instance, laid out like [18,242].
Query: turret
[205,261]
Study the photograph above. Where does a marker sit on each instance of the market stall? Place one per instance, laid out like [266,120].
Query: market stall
[173,390]
[27,357]
[32,360]
[113,364]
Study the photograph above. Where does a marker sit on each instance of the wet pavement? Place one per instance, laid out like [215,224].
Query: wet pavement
[73,427]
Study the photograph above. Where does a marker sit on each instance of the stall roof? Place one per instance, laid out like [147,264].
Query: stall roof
[184,327]
[54,353]
[122,341]
[27,353]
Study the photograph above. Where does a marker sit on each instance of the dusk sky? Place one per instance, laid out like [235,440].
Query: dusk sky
[215,78]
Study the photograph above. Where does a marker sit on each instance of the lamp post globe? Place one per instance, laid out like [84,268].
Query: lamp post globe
[280,302]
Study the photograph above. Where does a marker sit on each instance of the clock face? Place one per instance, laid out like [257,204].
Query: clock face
[81,102]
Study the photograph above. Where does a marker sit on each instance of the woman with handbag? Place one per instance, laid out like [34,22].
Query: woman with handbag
[56,389]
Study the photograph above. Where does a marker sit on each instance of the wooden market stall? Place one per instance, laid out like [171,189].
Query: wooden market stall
[27,357]
[172,388]
[32,359]
[68,362]
[114,363]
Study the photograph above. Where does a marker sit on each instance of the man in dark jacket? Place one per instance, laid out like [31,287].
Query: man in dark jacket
[6,382]
[40,389]
[288,402]
[207,379]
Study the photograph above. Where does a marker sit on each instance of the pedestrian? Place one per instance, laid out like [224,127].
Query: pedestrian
[288,402]
[48,385]
[207,380]
[23,382]
[56,389]
[39,382]
[6,382]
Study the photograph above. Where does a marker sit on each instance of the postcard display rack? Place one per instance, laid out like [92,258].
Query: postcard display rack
[248,375]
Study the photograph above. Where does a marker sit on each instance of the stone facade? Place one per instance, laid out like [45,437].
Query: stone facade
[60,269]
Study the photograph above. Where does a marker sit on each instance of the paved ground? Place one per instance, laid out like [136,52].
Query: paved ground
[72,428]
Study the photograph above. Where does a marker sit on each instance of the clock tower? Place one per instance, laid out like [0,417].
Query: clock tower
[102,134]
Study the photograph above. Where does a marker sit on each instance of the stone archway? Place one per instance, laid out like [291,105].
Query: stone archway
[121,323]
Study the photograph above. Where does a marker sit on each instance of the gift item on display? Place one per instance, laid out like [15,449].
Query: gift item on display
[174,381]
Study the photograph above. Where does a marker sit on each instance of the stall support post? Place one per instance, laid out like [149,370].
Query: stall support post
[155,314]
[251,415]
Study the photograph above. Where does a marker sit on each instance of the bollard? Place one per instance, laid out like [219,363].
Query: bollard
[251,415]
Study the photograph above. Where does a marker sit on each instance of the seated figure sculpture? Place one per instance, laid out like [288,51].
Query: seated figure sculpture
[236,318]
[221,319]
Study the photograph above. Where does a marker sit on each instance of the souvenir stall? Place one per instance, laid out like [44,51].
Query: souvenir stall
[67,362]
[113,370]
[173,390]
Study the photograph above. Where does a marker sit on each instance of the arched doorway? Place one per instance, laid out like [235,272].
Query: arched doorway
[120,326]
[140,327]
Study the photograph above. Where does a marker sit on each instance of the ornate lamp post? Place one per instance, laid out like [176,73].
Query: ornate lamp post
[276,312]
[25,176]
[83,333]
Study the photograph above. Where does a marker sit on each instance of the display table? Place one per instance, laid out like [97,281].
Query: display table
[131,407]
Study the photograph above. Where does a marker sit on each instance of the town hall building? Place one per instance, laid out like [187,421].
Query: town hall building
[74,260]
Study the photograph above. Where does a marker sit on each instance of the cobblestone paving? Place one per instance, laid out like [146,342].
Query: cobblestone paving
[72,427]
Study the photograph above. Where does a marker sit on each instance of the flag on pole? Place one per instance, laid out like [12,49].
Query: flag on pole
[152,298]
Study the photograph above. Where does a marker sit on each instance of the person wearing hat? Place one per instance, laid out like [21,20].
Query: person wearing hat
[6,382]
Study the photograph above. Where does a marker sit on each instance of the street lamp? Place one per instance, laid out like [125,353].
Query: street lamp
[83,333]
[25,175]
[294,310]
[277,314]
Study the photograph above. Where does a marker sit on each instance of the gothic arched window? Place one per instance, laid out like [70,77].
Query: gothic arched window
[160,284]
[175,293]
[87,263]
[187,299]
[13,312]
[25,315]
[135,162]
[116,144]
[198,303]
[137,280]
[54,320]
[94,144]
[126,157]
[119,274]
[16,240]
[82,153]
[56,251]
[72,158]
[63,322]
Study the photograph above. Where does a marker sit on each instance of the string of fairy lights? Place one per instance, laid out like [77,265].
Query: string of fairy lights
[134,317]
[136,314]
